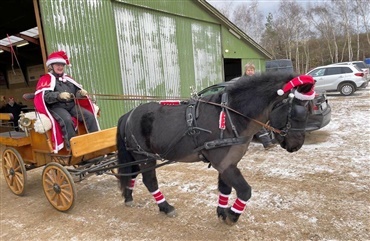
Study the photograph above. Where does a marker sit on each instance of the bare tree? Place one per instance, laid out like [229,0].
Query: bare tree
[326,26]
[322,32]
[249,19]
[270,37]
[344,12]
[291,28]
[226,8]
[362,8]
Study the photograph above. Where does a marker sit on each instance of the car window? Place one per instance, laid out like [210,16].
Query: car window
[360,65]
[284,65]
[333,70]
[211,90]
[346,70]
[359,69]
[318,72]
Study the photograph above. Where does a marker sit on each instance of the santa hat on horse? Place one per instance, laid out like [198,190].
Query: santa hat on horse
[304,94]
[58,57]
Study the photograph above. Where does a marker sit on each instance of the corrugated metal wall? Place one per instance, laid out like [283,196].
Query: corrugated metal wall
[120,48]
[163,54]
[85,30]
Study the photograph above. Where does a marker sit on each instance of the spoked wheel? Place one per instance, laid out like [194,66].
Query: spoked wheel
[14,171]
[58,186]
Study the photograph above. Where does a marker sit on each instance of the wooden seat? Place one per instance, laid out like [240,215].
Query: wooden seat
[6,116]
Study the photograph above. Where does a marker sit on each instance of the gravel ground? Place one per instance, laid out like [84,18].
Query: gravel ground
[321,192]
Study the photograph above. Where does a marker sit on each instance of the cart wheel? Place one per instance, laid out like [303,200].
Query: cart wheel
[58,186]
[14,171]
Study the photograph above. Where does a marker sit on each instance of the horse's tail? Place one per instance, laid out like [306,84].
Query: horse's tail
[124,156]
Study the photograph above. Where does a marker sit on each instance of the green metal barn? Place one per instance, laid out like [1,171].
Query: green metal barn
[123,47]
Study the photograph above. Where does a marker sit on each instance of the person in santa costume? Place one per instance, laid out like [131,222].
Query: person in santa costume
[59,96]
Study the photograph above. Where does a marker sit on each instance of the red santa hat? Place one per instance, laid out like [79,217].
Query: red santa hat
[299,81]
[58,57]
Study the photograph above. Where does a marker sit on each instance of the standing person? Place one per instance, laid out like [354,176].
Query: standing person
[13,108]
[263,135]
[60,97]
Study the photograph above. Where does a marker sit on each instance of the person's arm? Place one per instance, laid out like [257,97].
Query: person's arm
[52,97]
[81,93]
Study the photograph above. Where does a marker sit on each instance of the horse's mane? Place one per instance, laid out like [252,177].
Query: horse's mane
[261,90]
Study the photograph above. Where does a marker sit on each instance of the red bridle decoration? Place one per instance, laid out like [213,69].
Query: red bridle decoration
[222,120]
[170,102]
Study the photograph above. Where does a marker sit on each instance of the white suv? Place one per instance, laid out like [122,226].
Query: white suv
[338,77]
[361,65]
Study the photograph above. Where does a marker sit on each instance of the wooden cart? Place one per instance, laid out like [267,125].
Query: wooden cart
[26,150]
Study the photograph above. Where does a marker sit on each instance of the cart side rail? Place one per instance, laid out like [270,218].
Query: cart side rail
[95,141]
[13,138]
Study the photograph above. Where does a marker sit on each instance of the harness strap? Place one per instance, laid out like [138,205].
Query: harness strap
[231,123]
[221,143]
[268,127]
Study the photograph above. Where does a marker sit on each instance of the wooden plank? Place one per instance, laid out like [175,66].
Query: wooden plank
[5,116]
[14,141]
[88,143]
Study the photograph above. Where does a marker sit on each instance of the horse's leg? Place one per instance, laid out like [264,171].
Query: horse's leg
[127,194]
[223,198]
[151,183]
[233,177]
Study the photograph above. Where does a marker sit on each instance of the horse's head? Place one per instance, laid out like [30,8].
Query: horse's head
[290,115]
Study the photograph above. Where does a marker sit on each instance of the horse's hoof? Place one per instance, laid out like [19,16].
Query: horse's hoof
[231,217]
[129,204]
[221,213]
[229,222]
[168,209]
[172,214]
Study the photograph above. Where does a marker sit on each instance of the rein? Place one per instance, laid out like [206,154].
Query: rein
[135,97]
[157,98]
[267,126]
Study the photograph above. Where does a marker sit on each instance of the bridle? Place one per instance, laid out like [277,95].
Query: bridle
[282,132]
[291,110]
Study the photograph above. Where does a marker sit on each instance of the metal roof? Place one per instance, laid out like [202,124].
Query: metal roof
[14,40]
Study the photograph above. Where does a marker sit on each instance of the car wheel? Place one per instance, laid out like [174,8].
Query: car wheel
[347,89]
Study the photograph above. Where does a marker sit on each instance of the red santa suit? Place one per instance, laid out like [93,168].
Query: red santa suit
[48,82]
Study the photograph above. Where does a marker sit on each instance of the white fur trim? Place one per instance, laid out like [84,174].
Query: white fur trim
[301,96]
[42,124]
[30,115]
[96,109]
[280,92]
[55,60]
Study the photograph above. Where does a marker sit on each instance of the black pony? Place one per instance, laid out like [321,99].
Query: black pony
[216,129]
